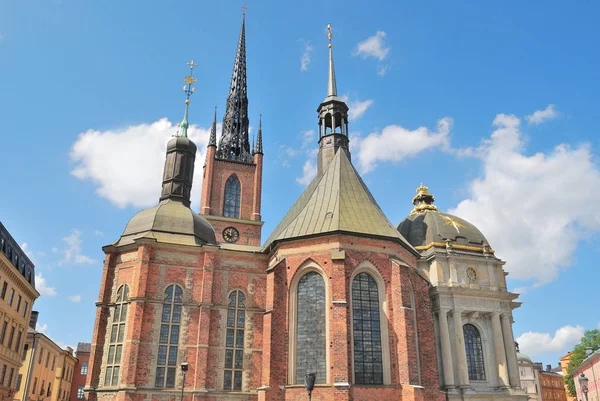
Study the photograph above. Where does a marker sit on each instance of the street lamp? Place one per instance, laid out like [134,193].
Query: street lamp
[184,369]
[583,383]
[309,383]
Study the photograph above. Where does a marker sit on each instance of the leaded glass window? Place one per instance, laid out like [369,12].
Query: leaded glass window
[368,362]
[231,207]
[310,334]
[168,339]
[234,341]
[117,337]
[474,350]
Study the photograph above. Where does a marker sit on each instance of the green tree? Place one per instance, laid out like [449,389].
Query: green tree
[590,339]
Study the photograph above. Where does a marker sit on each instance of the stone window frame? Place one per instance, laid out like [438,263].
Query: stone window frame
[369,268]
[308,267]
[238,202]
[170,324]
[484,354]
[118,303]
[236,308]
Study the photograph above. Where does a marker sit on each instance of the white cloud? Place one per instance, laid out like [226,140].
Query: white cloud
[43,288]
[75,298]
[309,171]
[533,209]
[99,233]
[540,116]
[72,253]
[41,327]
[395,143]
[126,165]
[356,107]
[64,345]
[308,139]
[305,60]
[373,46]
[382,70]
[535,344]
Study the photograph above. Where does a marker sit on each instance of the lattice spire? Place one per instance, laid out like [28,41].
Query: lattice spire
[234,143]
[259,145]
[212,140]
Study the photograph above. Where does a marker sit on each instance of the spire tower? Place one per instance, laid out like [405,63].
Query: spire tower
[234,143]
[333,119]
[212,140]
[259,145]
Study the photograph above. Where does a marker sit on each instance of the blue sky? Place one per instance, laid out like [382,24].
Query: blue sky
[493,106]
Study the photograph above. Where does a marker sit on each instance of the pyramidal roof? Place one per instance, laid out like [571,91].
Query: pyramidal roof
[336,201]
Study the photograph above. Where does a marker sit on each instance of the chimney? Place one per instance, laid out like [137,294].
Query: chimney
[33,319]
[548,368]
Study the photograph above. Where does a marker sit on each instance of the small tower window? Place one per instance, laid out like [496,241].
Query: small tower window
[231,207]
[117,337]
[474,350]
[168,341]
[234,342]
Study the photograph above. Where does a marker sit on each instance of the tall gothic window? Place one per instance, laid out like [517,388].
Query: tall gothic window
[310,334]
[231,206]
[168,342]
[368,362]
[234,342]
[474,350]
[117,335]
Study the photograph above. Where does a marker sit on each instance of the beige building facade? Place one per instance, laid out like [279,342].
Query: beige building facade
[17,294]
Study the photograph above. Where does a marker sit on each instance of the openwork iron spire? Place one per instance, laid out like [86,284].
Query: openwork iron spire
[332,86]
[212,140]
[259,146]
[234,143]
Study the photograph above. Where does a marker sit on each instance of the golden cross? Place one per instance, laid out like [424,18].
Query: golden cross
[244,8]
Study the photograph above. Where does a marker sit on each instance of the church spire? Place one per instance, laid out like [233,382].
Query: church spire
[234,143]
[181,154]
[332,86]
[212,140]
[259,146]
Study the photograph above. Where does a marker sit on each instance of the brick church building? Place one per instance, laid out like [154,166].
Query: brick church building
[377,312]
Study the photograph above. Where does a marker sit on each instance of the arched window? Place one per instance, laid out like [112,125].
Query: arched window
[168,341]
[474,350]
[311,333]
[231,206]
[368,361]
[234,342]
[117,336]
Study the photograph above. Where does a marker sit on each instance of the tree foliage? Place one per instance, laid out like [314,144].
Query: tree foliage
[590,339]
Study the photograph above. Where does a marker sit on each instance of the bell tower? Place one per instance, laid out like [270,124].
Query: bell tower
[232,185]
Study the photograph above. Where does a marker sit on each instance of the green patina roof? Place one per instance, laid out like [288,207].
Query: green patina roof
[336,201]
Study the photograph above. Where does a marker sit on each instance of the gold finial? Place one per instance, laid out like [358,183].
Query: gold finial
[423,200]
[329,35]
[188,88]
[244,12]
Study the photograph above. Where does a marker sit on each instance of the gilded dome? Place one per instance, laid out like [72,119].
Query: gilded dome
[170,221]
[426,225]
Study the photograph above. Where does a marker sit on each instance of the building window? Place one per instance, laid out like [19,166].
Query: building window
[25,309]
[53,362]
[18,341]
[34,385]
[47,358]
[310,333]
[4,287]
[10,377]
[18,303]
[231,206]
[117,335]
[234,341]
[41,355]
[11,337]
[3,333]
[169,337]
[80,392]
[84,368]
[19,380]
[368,363]
[11,296]
[3,376]
[474,351]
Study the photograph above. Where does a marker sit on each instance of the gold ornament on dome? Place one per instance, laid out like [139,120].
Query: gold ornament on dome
[420,200]
[452,221]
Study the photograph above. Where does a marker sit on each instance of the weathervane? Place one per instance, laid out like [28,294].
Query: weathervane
[188,88]
[244,8]
[329,35]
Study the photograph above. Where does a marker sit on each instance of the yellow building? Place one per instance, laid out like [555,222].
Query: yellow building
[564,364]
[17,294]
[47,370]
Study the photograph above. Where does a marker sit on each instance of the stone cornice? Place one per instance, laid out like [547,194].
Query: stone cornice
[17,278]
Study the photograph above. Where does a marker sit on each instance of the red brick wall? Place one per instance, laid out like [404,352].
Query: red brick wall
[78,378]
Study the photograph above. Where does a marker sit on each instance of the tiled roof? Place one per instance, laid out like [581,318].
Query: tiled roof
[84,348]
[336,201]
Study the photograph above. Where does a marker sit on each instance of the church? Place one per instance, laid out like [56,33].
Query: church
[198,306]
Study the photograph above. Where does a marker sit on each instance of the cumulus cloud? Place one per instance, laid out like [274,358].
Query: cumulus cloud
[126,165]
[395,143]
[41,327]
[535,344]
[72,253]
[357,107]
[373,46]
[75,298]
[42,287]
[540,116]
[382,70]
[309,171]
[525,204]
[305,60]
[99,233]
